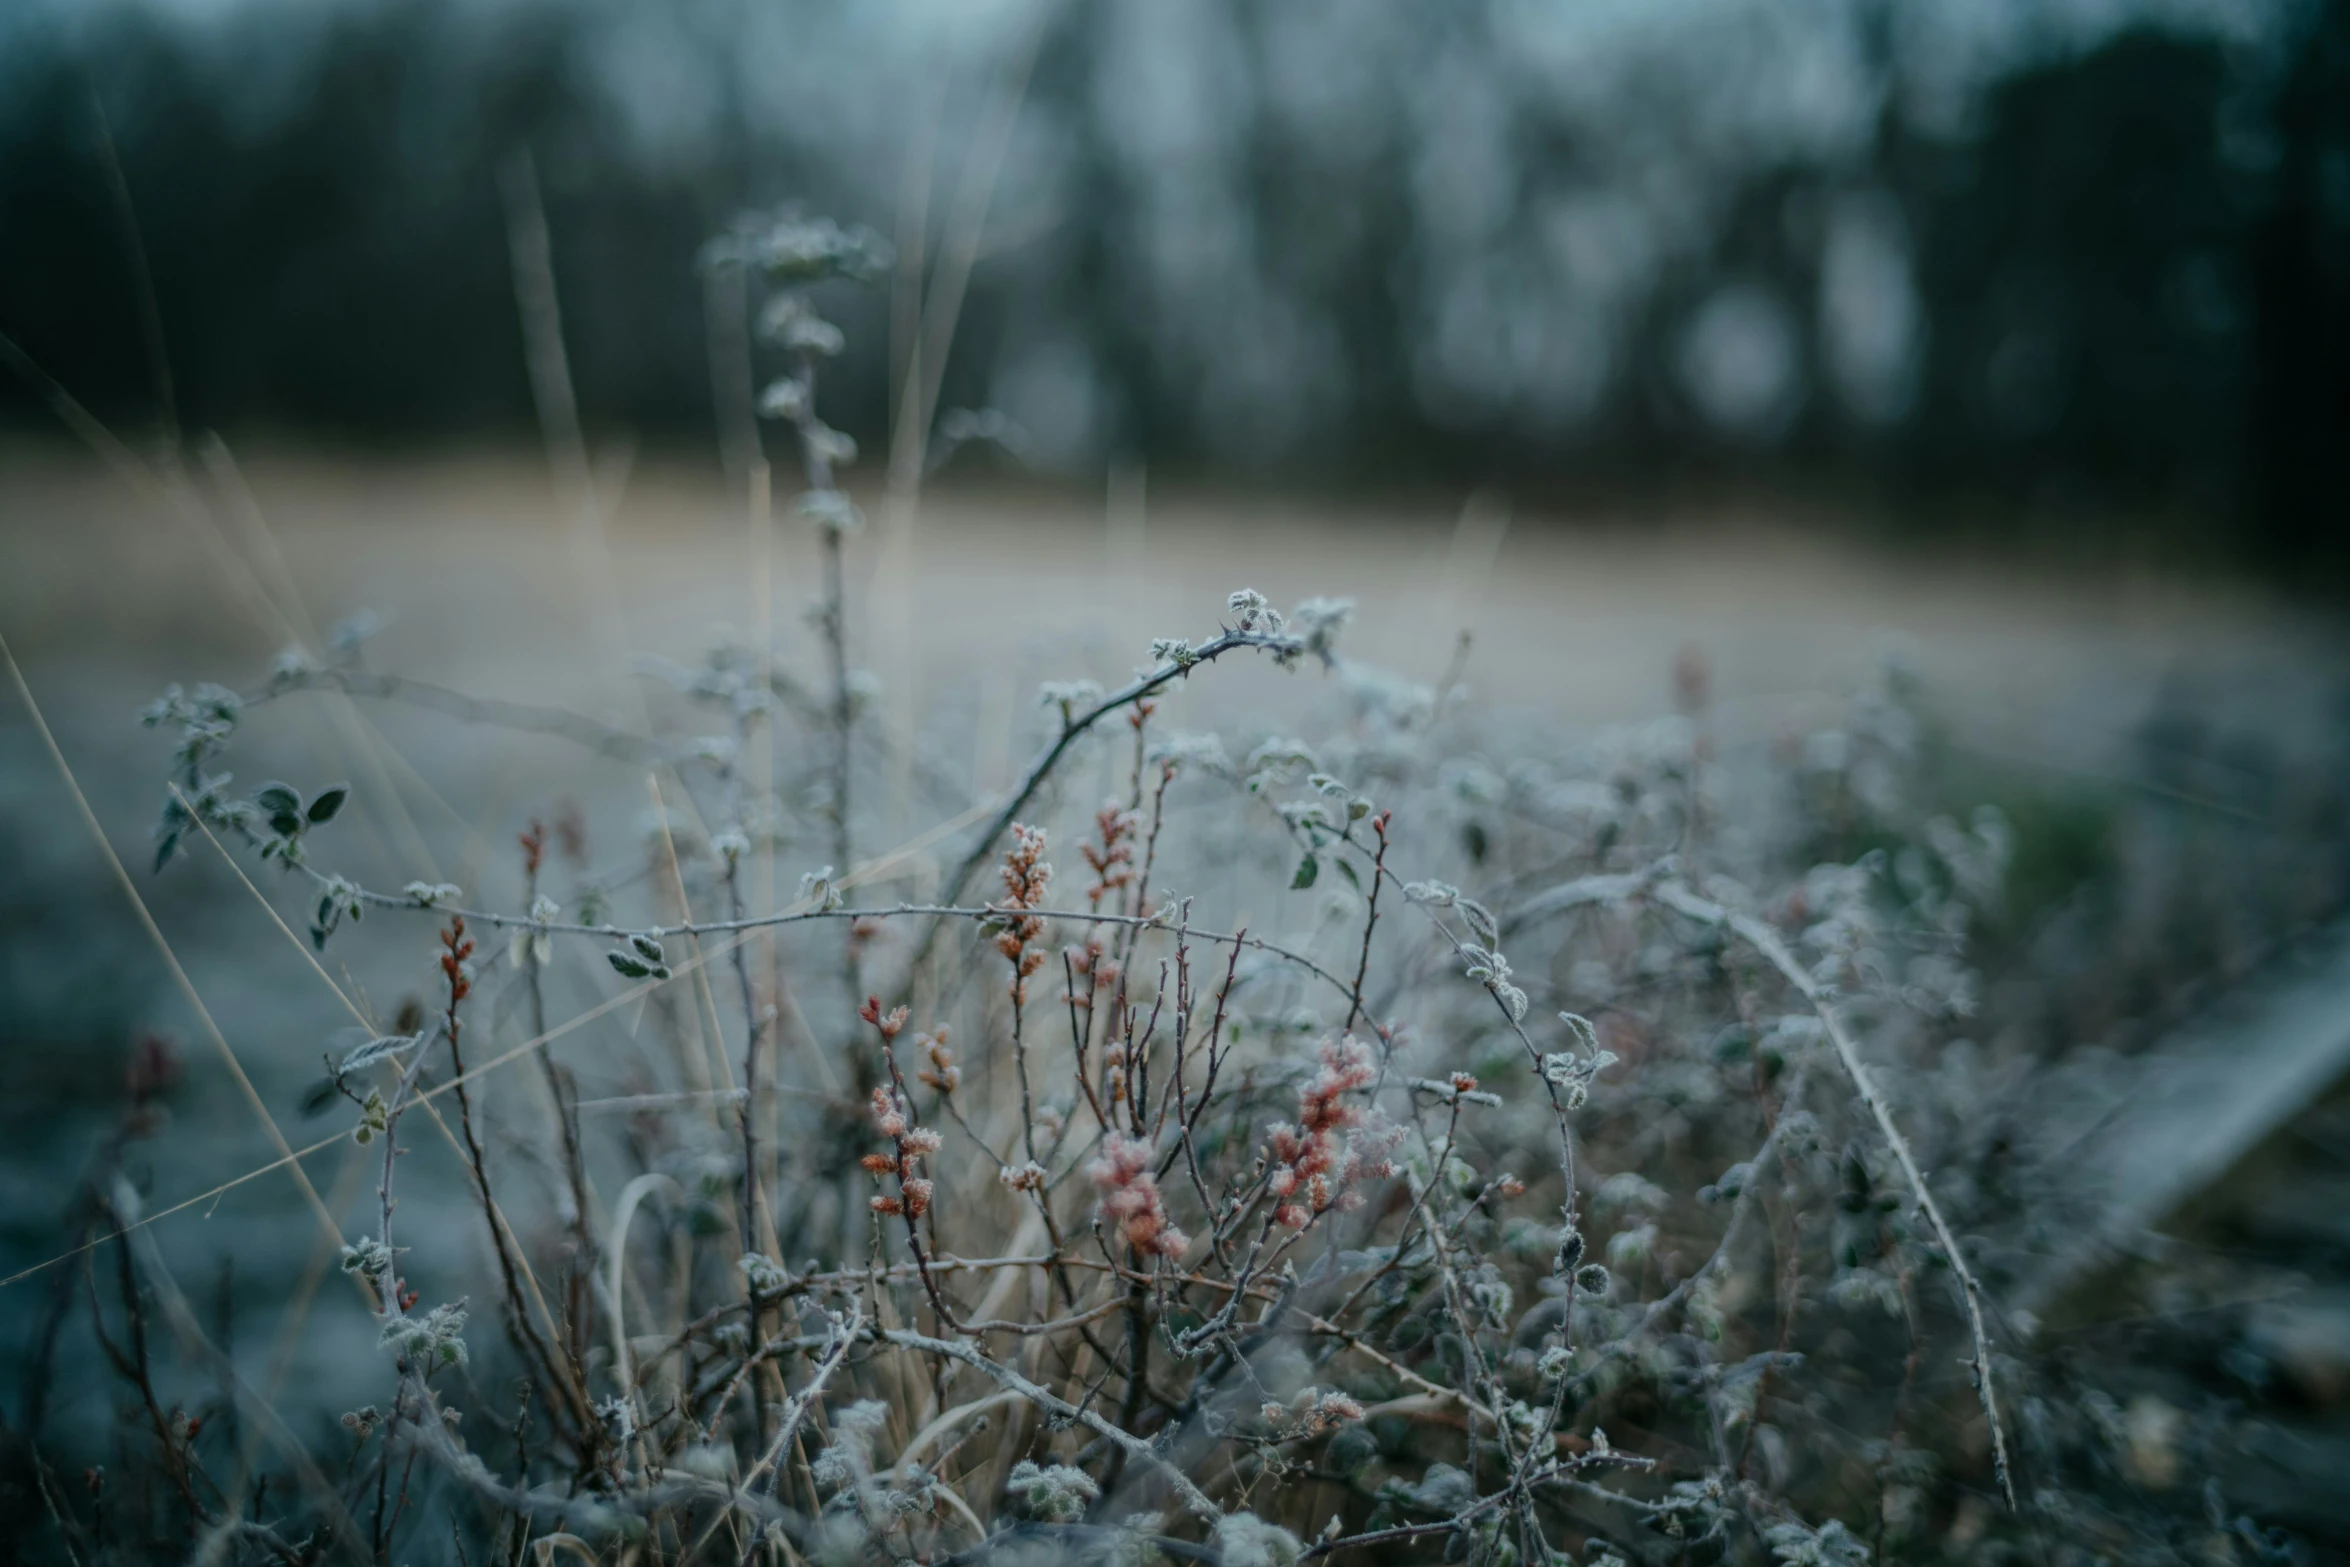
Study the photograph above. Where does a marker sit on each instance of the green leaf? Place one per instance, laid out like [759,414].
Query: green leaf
[1346,869]
[328,801]
[166,846]
[278,799]
[1307,869]
[628,964]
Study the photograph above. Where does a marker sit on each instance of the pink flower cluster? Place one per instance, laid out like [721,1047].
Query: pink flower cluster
[942,1073]
[1113,863]
[1091,969]
[1316,1165]
[912,1142]
[1027,881]
[894,1118]
[1130,1198]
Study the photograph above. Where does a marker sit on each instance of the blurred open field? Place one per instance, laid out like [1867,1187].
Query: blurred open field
[1580,617]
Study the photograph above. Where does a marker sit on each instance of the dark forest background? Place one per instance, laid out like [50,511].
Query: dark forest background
[2119,297]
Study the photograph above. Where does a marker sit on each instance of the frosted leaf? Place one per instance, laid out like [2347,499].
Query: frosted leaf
[618,1417]
[1573,1076]
[1832,1545]
[817,887]
[374,1119]
[1444,1490]
[1070,696]
[377,1049]
[1628,1189]
[1054,1493]
[1303,813]
[1253,612]
[1318,621]
[1203,751]
[346,635]
[797,249]
[1245,1540]
[792,325]
[764,1274]
[1627,1249]
[785,399]
[1283,755]
[849,1458]
[367,1257]
[436,1338]
[826,444]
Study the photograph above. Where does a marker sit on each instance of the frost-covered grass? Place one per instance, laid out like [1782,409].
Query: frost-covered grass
[1399,1138]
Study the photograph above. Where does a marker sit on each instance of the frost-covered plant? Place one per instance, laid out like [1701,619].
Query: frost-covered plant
[1055,1493]
[1325,1193]
[434,1339]
[1542,1175]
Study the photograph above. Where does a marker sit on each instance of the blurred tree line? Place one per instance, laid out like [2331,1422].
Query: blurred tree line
[2114,281]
